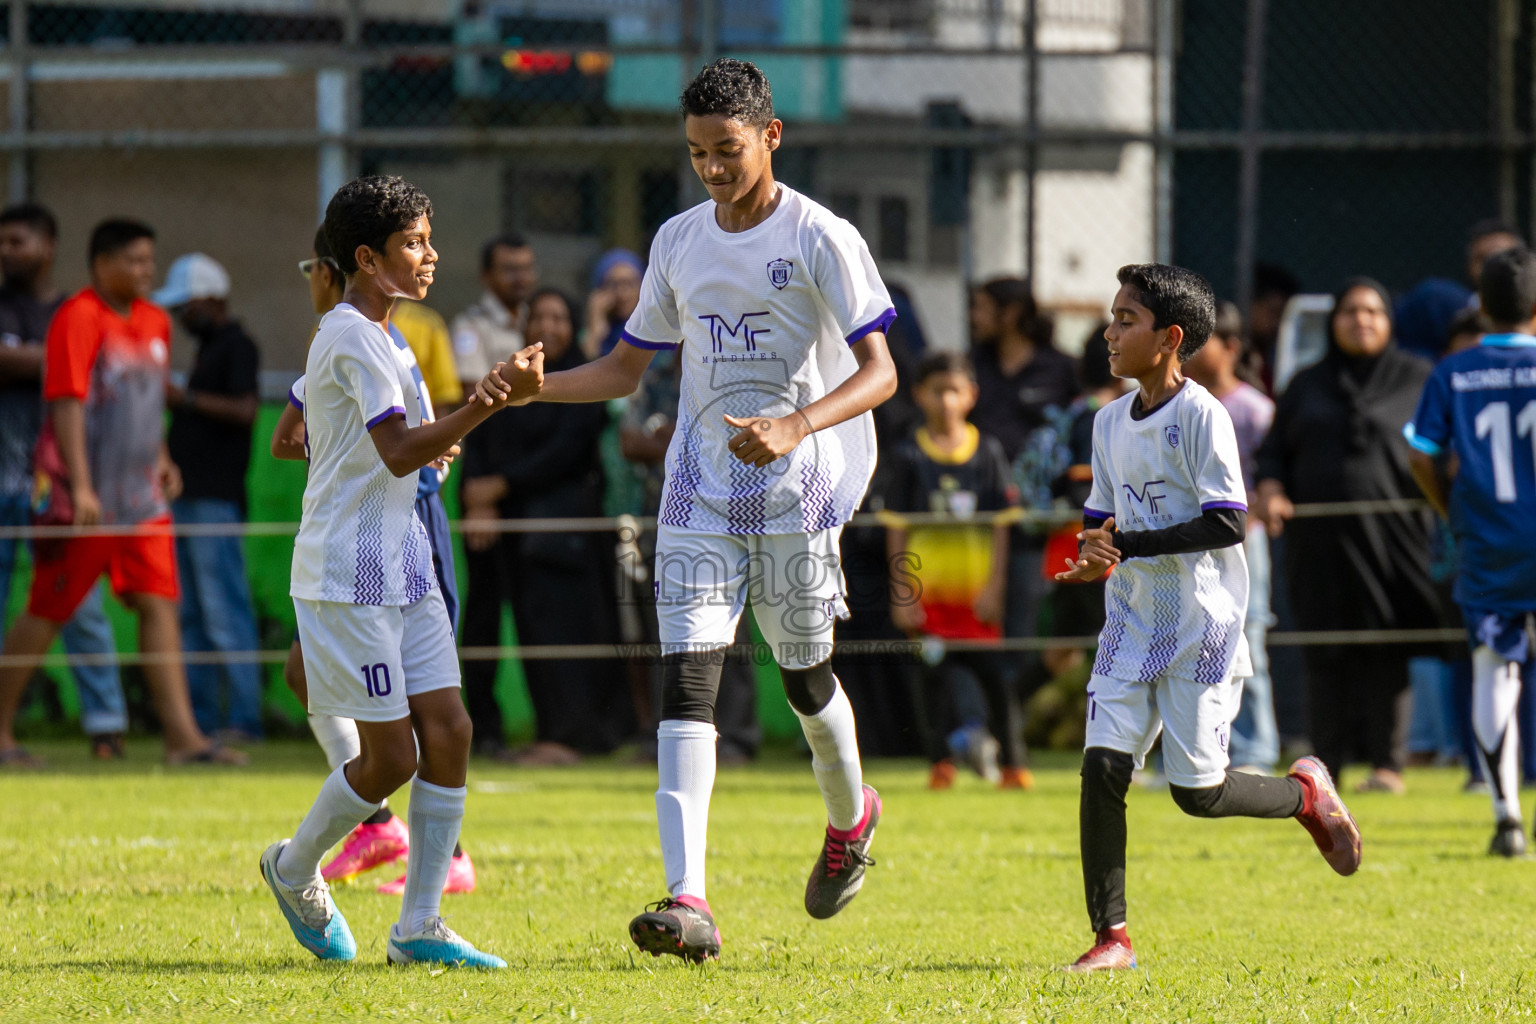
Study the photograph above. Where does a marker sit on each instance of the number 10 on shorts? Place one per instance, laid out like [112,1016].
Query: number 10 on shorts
[376,679]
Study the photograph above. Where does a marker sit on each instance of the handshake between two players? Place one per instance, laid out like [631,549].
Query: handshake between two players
[759,440]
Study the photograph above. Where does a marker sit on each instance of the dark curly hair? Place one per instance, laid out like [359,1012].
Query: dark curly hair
[1508,286]
[1174,295]
[731,88]
[366,211]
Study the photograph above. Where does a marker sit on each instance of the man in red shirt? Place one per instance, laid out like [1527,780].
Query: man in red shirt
[104,380]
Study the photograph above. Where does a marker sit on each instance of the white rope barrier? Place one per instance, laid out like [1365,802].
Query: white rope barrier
[604,524]
[760,653]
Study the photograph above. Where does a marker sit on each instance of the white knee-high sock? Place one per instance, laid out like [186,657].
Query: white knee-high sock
[434,817]
[685,763]
[835,758]
[336,811]
[337,737]
[1495,694]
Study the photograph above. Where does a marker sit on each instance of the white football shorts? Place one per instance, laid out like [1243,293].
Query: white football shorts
[1194,718]
[364,660]
[794,582]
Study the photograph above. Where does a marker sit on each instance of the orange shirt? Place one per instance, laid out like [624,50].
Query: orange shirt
[117,366]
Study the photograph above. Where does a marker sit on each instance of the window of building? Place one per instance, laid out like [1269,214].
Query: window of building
[893,228]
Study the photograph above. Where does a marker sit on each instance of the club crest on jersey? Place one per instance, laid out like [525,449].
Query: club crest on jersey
[779,272]
[1172,434]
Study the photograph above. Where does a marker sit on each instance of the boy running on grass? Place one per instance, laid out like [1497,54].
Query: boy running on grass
[1478,411]
[781,318]
[378,646]
[1168,509]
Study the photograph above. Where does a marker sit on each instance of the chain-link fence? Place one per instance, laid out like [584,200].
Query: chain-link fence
[1054,139]
[966,138]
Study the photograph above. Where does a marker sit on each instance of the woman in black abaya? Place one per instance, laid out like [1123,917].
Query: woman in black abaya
[542,461]
[1337,436]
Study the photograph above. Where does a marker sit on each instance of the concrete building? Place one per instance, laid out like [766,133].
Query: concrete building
[227,126]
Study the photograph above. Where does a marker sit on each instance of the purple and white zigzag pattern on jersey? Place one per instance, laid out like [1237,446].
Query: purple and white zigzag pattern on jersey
[816,499]
[1218,637]
[368,588]
[1118,609]
[418,550]
[746,511]
[681,486]
[1166,613]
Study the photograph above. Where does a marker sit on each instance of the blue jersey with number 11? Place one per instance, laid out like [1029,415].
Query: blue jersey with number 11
[1481,405]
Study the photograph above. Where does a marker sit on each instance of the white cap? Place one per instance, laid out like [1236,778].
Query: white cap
[193,276]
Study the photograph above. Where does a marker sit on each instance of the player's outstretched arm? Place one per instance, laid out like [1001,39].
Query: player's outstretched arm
[1427,474]
[615,375]
[288,435]
[1215,528]
[763,439]
[405,450]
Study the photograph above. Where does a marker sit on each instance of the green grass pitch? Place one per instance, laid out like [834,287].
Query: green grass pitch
[131,891]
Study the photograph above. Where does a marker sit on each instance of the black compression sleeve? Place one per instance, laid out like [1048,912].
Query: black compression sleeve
[1216,528]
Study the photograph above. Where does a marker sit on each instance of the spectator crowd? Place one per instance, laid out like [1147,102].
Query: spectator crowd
[985,460]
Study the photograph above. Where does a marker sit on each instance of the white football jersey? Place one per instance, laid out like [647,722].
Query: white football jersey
[360,541]
[765,318]
[1170,615]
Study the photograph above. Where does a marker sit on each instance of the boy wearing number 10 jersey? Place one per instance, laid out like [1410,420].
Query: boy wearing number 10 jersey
[1480,406]
[378,647]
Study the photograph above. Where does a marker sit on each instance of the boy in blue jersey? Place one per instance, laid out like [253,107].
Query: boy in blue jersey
[1474,456]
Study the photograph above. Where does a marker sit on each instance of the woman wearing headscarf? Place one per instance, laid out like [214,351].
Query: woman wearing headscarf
[541,461]
[1337,436]
[615,294]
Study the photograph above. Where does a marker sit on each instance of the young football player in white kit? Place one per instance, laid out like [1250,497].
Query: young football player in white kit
[781,319]
[1168,512]
[378,646]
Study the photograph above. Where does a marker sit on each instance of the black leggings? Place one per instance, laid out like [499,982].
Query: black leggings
[1101,820]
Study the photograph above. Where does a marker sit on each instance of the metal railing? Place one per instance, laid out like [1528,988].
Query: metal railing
[605,524]
[627,529]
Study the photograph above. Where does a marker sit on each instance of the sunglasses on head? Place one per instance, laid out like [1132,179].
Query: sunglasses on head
[307,267]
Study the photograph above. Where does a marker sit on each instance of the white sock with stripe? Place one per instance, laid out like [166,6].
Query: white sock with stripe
[1495,695]
[434,818]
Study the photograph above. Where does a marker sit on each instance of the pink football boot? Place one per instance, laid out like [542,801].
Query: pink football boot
[368,847]
[461,878]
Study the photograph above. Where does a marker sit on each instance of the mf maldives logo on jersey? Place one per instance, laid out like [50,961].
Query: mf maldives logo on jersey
[1146,497]
[779,273]
[1172,434]
[720,328]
